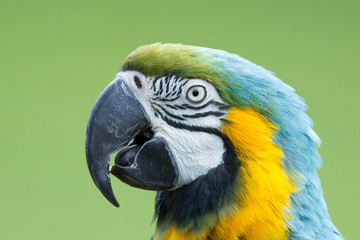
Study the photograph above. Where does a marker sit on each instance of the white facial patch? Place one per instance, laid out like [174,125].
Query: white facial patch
[195,152]
[182,120]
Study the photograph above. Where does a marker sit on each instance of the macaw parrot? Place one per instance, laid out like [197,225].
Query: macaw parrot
[225,143]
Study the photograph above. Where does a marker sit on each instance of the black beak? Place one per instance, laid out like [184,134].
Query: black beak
[116,119]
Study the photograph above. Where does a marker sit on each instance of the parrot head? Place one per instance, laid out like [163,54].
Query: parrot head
[225,143]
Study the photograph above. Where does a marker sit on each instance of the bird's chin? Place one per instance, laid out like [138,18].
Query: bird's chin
[126,167]
[126,156]
[147,163]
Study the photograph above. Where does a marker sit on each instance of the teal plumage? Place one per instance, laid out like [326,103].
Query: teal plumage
[261,90]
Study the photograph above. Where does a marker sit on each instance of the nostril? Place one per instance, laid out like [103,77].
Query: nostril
[126,156]
[137,82]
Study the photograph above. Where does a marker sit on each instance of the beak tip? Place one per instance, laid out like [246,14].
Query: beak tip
[108,194]
[101,178]
[115,203]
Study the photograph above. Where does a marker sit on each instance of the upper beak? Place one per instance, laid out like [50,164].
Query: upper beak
[116,119]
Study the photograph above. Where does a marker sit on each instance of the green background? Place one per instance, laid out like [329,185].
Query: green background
[57,56]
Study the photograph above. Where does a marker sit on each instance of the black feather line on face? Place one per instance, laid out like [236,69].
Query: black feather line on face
[192,128]
[204,114]
[166,99]
[185,207]
[167,112]
[154,84]
[167,83]
[212,102]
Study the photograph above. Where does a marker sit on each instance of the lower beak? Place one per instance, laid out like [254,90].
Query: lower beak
[116,119]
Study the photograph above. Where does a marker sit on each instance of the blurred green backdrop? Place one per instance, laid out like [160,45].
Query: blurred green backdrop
[57,56]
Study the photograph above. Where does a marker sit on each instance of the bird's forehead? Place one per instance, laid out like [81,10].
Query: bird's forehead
[156,60]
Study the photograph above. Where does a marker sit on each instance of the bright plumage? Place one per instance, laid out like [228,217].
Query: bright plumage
[226,144]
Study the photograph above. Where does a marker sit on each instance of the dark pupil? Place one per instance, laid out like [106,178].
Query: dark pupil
[195,93]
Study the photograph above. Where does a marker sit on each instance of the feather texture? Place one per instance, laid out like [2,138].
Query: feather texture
[249,88]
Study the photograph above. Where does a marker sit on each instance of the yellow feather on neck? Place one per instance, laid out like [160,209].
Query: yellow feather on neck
[262,201]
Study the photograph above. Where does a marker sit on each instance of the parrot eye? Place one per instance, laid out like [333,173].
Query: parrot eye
[196,94]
